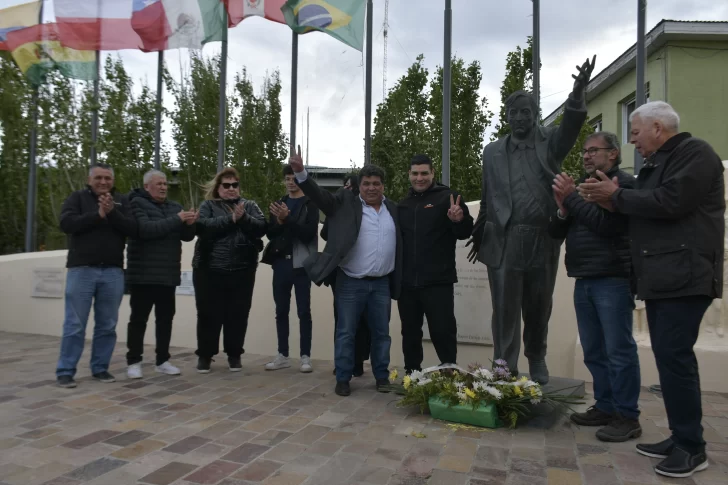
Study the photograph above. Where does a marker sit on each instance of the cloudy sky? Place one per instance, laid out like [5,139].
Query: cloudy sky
[331,74]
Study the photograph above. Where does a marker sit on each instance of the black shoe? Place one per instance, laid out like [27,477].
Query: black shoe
[682,464]
[619,430]
[66,382]
[203,365]
[342,388]
[234,364]
[656,450]
[104,377]
[383,385]
[592,417]
[358,370]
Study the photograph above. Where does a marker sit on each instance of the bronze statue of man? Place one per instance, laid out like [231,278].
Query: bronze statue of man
[510,235]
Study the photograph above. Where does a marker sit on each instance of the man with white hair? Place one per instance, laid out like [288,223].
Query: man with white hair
[97,221]
[676,228]
[153,269]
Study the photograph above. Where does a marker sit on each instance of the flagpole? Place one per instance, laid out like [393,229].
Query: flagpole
[536,51]
[32,167]
[446,93]
[294,85]
[308,131]
[223,98]
[158,121]
[32,183]
[368,88]
[640,90]
[95,112]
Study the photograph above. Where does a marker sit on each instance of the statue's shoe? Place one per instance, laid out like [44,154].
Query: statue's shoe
[538,370]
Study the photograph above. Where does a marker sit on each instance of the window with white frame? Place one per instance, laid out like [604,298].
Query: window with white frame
[596,123]
[627,109]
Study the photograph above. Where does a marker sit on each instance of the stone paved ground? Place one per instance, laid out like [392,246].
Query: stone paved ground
[286,428]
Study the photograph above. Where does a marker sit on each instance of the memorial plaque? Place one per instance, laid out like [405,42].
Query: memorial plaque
[48,282]
[473,307]
[186,287]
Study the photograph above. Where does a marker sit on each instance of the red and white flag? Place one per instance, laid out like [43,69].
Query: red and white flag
[238,10]
[96,24]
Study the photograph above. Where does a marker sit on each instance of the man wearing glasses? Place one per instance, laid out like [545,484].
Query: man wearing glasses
[598,256]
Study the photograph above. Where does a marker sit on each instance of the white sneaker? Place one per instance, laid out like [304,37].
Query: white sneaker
[167,368]
[134,371]
[280,362]
[306,364]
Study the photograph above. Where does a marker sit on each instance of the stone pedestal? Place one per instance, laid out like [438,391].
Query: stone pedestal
[545,416]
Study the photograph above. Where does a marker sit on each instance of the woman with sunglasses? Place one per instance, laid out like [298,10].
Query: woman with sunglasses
[229,232]
[363,338]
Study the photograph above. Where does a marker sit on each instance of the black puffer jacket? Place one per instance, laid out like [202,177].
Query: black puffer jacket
[93,240]
[224,245]
[153,258]
[597,241]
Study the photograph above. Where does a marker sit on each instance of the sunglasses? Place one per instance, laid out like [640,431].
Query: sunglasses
[227,185]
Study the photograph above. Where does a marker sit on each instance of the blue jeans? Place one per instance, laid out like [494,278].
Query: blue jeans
[353,298]
[285,277]
[604,316]
[84,285]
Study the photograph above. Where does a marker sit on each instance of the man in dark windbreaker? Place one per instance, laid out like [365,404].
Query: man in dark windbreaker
[153,269]
[433,218]
[97,220]
[598,256]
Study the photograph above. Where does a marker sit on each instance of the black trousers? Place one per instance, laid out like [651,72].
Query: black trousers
[674,324]
[362,340]
[143,298]
[437,302]
[223,302]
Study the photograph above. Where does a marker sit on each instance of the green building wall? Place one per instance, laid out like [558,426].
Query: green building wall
[692,77]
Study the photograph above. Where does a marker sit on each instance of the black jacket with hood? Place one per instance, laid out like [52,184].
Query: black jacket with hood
[154,256]
[429,236]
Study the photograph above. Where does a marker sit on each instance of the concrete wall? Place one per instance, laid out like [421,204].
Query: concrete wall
[19,312]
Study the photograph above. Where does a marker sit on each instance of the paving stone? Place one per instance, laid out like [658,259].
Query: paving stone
[527,467]
[282,478]
[258,471]
[455,463]
[61,481]
[271,437]
[417,465]
[213,473]
[39,433]
[599,475]
[246,415]
[186,445]
[168,473]
[246,453]
[371,475]
[95,469]
[561,458]
[555,476]
[91,438]
[128,438]
[492,457]
[285,452]
[140,448]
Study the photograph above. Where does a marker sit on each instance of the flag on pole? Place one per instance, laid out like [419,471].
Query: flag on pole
[172,24]
[341,19]
[37,51]
[16,18]
[96,24]
[239,10]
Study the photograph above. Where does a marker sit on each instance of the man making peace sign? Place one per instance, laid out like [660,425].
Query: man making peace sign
[432,218]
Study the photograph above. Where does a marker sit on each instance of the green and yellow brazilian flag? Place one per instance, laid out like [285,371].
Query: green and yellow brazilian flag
[341,19]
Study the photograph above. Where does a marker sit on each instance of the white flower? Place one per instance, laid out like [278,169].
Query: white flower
[460,385]
[422,382]
[416,376]
[493,392]
[479,385]
[528,384]
[483,373]
[535,401]
[462,396]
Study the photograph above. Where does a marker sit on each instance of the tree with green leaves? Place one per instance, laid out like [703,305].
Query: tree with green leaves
[409,121]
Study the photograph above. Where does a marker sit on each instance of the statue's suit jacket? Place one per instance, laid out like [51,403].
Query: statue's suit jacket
[552,144]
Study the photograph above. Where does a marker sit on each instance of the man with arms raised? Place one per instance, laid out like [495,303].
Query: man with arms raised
[364,247]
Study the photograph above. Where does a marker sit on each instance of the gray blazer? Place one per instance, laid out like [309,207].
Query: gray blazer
[496,204]
[344,212]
